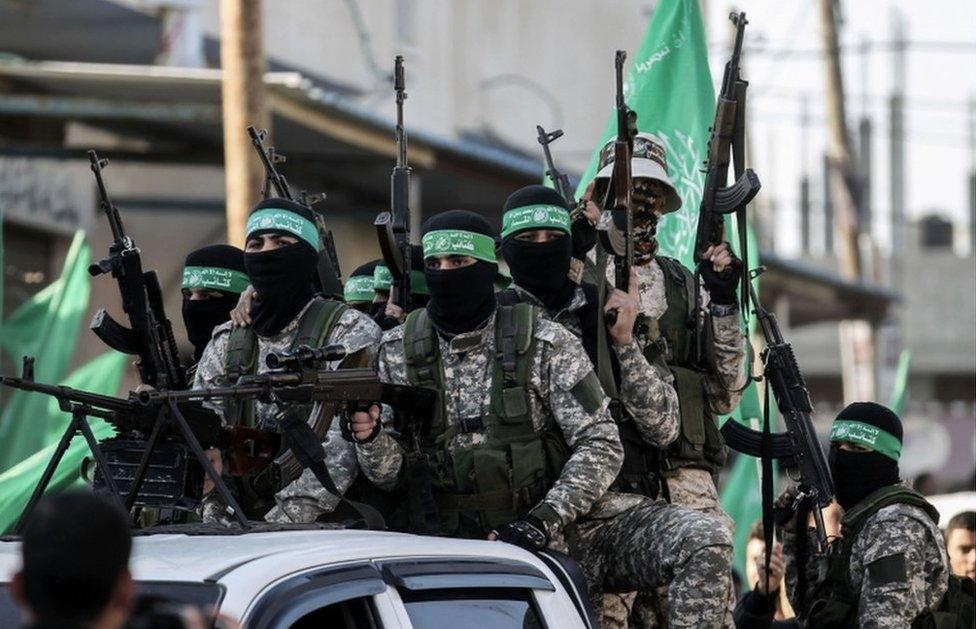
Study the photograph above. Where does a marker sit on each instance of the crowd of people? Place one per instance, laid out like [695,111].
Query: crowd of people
[572,416]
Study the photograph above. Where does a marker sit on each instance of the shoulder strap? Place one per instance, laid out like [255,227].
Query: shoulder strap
[420,348]
[317,322]
[595,339]
[240,358]
[513,331]
[854,520]
[508,297]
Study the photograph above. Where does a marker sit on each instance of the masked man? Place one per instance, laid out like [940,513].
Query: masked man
[889,567]
[524,443]
[281,255]
[358,291]
[213,279]
[629,540]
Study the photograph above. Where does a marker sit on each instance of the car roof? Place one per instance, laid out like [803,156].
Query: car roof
[200,557]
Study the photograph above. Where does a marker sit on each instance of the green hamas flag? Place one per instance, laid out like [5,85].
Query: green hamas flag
[669,86]
[46,327]
[900,390]
[101,375]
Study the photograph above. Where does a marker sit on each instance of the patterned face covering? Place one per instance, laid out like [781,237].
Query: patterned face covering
[647,203]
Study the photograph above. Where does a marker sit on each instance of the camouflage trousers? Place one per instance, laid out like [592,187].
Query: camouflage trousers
[656,544]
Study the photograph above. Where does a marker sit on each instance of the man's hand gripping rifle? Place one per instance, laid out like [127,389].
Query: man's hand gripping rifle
[393,227]
[150,334]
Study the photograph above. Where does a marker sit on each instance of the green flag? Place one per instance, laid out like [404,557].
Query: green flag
[46,327]
[101,375]
[900,390]
[669,86]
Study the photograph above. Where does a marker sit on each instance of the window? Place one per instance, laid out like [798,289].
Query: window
[484,608]
[352,614]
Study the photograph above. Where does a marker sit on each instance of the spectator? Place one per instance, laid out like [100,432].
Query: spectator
[961,544]
[75,564]
[761,607]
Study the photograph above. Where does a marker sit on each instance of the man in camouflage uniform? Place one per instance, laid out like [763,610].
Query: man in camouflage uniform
[524,443]
[628,541]
[889,567]
[281,254]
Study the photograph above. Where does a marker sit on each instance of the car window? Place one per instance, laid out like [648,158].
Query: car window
[352,614]
[484,608]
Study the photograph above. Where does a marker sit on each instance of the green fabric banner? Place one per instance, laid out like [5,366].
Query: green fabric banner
[46,327]
[900,391]
[101,375]
[669,85]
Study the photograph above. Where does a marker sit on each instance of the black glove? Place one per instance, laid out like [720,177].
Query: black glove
[345,427]
[528,533]
[721,286]
[584,236]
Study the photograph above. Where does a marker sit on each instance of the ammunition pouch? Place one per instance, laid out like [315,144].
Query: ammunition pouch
[173,480]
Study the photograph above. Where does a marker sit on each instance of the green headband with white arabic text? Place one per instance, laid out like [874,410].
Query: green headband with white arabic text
[214,278]
[866,435]
[383,280]
[542,216]
[280,220]
[359,288]
[458,242]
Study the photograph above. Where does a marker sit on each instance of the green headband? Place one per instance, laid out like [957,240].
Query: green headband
[535,217]
[215,278]
[274,219]
[457,242]
[383,280]
[359,288]
[866,435]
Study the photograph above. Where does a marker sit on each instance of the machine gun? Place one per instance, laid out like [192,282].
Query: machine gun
[330,275]
[393,227]
[797,448]
[150,335]
[618,201]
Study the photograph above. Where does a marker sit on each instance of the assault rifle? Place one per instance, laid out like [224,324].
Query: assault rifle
[393,227]
[150,335]
[330,279]
[727,141]
[560,180]
[798,448]
[618,201]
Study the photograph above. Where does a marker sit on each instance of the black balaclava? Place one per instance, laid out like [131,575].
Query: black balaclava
[859,474]
[284,278]
[219,268]
[461,300]
[358,291]
[541,268]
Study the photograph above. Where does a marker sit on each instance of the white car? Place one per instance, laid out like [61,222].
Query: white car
[349,578]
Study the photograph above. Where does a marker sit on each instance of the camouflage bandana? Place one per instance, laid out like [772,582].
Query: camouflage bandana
[647,203]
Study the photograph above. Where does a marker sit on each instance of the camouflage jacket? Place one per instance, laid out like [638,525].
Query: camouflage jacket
[645,391]
[304,498]
[898,567]
[558,364]
[722,387]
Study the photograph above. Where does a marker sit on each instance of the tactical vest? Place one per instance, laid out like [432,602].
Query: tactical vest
[835,603]
[639,473]
[699,443]
[471,490]
[314,328]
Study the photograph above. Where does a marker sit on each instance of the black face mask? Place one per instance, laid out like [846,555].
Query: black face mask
[461,299]
[201,316]
[283,279]
[542,268]
[859,474]
[376,308]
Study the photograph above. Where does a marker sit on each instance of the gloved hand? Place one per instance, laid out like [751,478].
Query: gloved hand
[528,533]
[721,272]
[584,236]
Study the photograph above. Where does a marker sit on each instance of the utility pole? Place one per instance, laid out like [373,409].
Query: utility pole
[896,133]
[804,176]
[972,174]
[242,90]
[856,337]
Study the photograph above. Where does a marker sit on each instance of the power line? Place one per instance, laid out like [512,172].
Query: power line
[960,47]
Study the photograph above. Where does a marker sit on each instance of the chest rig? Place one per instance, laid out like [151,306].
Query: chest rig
[467,491]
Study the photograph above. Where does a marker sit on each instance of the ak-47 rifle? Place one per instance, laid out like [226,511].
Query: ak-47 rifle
[618,200]
[798,448]
[275,182]
[393,227]
[727,142]
[150,335]
[559,179]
